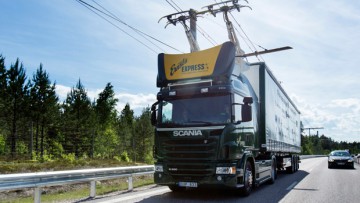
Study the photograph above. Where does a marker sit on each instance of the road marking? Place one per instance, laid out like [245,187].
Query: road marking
[291,186]
[139,195]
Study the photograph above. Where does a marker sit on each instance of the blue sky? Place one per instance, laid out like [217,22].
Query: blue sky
[320,74]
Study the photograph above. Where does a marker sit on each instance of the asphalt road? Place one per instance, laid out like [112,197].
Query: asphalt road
[314,182]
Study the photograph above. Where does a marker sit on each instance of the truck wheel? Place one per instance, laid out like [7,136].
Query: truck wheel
[291,169]
[273,173]
[297,162]
[248,180]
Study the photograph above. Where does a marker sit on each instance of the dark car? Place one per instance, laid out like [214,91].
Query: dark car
[341,158]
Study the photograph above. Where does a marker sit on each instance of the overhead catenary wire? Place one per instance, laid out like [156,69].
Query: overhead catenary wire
[136,30]
[173,6]
[114,17]
[176,5]
[80,1]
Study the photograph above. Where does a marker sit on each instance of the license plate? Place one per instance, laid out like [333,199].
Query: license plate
[340,163]
[188,184]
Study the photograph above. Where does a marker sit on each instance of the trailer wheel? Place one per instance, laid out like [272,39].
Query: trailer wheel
[273,173]
[248,180]
[297,162]
[291,169]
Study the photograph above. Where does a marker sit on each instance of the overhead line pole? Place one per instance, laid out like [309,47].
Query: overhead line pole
[314,128]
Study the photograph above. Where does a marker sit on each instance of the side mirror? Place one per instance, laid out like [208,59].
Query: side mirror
[246,110]
[248,100]
[246,113]
[153,113]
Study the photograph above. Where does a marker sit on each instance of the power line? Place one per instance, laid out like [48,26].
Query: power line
[85,5]
[114,17]
[172,6]
[208,37]
[176,5]
[136,30]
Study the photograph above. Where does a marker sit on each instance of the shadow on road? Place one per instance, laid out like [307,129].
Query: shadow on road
[264,193]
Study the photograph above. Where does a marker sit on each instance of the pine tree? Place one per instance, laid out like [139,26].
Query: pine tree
[104,140]
[15,101]
[126,132]
[78,121]
[44,105]
[105,105]
[144,137]
[3,87]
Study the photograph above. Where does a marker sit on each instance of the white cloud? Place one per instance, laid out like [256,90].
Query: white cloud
[137,102]
[340,118]
[62,91]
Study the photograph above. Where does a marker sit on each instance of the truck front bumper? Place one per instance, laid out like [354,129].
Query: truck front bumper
[193,180]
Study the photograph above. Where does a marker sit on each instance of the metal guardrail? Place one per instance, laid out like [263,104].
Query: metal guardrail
[10,182]
[310,156]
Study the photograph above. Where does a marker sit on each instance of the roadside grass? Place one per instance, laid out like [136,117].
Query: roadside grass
[28,166]
[81,191]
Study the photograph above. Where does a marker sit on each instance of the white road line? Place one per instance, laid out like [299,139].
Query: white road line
[138,195]
[291,186]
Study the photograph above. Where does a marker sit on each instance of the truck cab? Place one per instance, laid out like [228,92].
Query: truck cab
[206,124]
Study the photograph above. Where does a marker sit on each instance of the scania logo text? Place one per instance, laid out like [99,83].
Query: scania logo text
[182,133]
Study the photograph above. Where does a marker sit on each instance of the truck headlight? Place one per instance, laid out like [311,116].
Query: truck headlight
[226,170]
[159,168]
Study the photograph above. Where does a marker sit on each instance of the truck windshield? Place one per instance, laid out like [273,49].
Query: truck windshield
[196,111]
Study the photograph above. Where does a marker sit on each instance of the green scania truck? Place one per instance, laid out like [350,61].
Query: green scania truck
[221,123]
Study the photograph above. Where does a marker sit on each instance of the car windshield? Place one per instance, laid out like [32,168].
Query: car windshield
[196,111]
[340,154]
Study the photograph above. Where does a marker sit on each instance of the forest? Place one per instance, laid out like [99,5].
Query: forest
[36,125]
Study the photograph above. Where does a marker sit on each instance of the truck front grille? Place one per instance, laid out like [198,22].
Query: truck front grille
[190,159]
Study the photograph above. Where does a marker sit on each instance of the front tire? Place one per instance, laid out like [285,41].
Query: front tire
[248,180]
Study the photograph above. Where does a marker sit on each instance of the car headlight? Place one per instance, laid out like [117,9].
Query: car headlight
[159,168]
[350,160]
[331,160]
[226,170]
